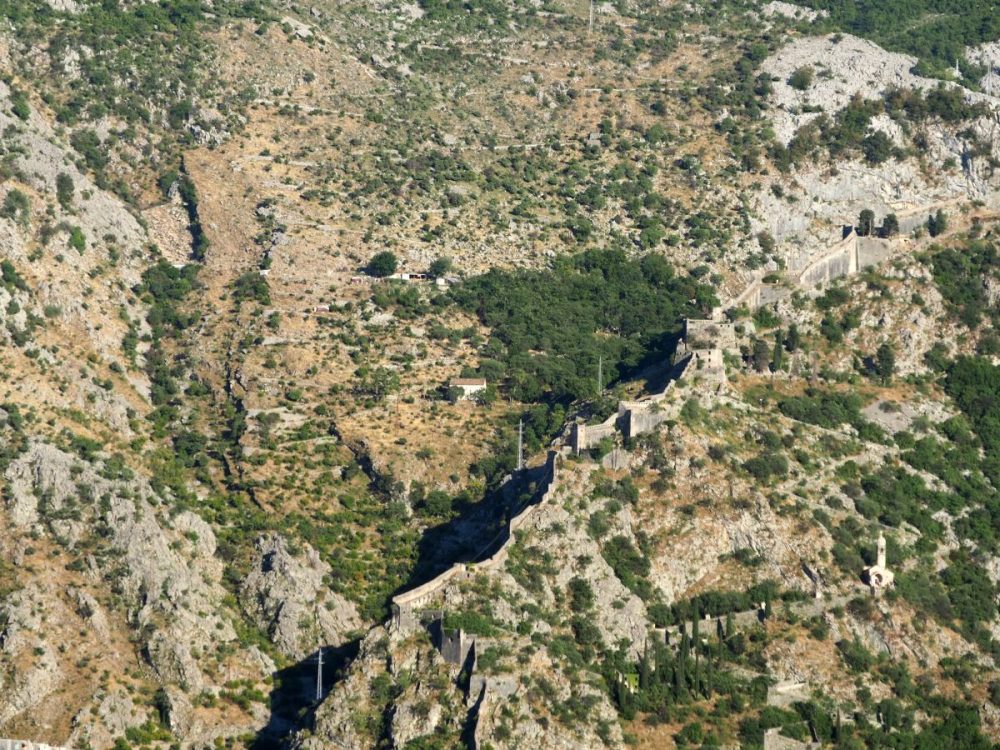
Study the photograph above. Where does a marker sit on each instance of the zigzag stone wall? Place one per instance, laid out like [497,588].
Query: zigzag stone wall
[872,251]
[637,417]
[406,606]
[843,258]
[633,418]
[586,436]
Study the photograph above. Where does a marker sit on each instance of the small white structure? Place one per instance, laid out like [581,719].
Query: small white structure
[468,386]
[6,744]
[879,576]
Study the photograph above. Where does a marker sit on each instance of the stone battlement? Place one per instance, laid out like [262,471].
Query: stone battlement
[406,606]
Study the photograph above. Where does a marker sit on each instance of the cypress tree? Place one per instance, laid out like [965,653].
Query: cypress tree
[777,360]
[709,675]
[697,669]
[794,339]
[644,668]
[682,660]
[662,660]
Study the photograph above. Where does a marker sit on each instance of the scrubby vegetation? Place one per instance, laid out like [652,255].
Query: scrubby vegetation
[550,328]
[936,31]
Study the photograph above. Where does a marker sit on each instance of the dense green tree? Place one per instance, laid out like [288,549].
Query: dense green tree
[382,264]
[937,224]
[778,355]
[960,272]
[252,286]
[866,223]
[794,339]
[761,355]
[549,328]
[64,190]
[877,147]
[885,363]
[439,267]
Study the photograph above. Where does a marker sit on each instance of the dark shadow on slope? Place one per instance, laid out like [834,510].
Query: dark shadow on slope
[477,531]
[660,369]
[480,528]
[293,696]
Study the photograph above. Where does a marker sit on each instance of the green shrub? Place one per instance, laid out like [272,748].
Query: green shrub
[64,190]
[19,104]
[801,78]
[382,264]
[16,205]
[252,286]
[77,240]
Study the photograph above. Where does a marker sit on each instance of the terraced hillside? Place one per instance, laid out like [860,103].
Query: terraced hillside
[249,251]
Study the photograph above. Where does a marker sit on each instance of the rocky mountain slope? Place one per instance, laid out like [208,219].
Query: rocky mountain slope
[227,442]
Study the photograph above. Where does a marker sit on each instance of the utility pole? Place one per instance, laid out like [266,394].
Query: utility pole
[319,675]
[590,27]
[600,375]
[520,445]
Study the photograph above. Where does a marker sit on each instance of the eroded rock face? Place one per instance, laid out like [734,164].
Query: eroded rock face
[114,713]
[22,639]
[167,575]
[286,596]
[846,67]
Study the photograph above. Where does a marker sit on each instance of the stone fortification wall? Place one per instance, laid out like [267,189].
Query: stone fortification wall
[6,744]
[750,296]
[710,334]
[644,416]
[840,259]
[769,293]
[758,293]
[586,436]
[872,251]
[642,421]
[406,606]
[637,417]
[455,646]
[843,258]
[633,417]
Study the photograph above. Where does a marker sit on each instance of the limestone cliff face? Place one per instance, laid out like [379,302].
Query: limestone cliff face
[288,598]
[169,564]
[952,169]
[161,565]
[122,603]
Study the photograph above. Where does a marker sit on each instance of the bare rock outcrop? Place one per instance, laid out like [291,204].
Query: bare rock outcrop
[846,66]
[168,576]
[22,641]
[113,714]
[286,596]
